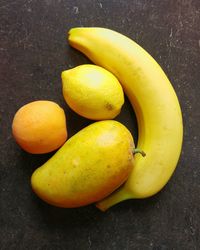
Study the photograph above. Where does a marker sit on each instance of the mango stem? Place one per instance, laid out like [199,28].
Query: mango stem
[137,150]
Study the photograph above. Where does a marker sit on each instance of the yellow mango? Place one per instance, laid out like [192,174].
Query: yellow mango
[88,167]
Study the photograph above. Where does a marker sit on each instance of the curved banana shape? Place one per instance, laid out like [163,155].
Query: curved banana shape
[155,104]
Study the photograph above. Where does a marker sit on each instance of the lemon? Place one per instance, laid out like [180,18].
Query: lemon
[92,92]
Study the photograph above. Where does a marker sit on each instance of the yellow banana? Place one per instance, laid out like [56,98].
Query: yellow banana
[154,101]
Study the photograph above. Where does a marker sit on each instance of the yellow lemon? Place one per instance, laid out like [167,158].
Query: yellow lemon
[92,92]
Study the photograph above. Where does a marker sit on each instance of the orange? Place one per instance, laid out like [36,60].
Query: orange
[40,127]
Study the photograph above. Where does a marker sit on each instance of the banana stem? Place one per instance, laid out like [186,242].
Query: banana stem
[137,150]
[119,195]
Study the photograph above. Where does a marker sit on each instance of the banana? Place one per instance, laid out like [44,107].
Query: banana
[154,101]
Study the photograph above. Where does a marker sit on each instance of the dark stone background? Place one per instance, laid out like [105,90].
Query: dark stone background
[33,52]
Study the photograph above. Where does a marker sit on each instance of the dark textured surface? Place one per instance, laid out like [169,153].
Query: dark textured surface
[33,52]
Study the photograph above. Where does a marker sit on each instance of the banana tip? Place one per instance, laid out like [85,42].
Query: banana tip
[100,207]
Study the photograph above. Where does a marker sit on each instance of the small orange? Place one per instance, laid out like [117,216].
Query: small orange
[40,127]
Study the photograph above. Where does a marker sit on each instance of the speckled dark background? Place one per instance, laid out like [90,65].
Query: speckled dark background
[33,52]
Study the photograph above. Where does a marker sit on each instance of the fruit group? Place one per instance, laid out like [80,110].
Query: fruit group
[154,101]
[92,92]
[88,167]
[40,127]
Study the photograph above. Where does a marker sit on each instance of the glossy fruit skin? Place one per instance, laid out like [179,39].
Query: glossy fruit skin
[88,167]
[155,104]
[40,127]
[92,92]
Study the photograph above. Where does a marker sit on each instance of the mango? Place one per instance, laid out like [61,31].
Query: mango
[88,167]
